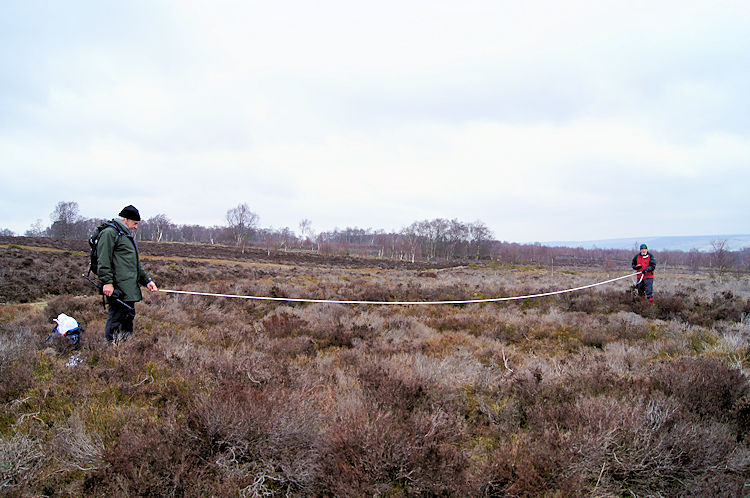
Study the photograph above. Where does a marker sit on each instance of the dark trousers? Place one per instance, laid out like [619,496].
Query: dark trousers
[646,288]
[119,321]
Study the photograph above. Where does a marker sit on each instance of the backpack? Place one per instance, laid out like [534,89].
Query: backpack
[67,326]
[94,242]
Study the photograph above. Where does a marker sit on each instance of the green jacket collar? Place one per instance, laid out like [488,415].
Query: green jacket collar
[124,227]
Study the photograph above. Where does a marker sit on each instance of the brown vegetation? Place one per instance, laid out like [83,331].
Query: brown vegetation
[589,393]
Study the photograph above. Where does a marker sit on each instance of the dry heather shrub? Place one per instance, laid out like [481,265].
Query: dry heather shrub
[433,290]
[400,334]
[282,324]
[176,310]
[153,458]
[527,465]
[333,325]
[586,302]
[458,370]
[391,385]
[76,448]
[219,420]
[546,390]
[372,451]
[658,447]
[21,457]
[721,483]
[705,386]
[643,446]
[627,326]
[734,336]
[241,362]
[372,318]
[594,375]
[455,321]
[727,306]
[741,415]
[672,306]
[594,339]
[532,389]
[624,359]
[361,290]
[178,347]
[511,324]
[442,345]
[17,358]
[212,314]
[228,333]
[260,440]
[575,443]
[293,347]
[706,309]
[106,419]
[83,309]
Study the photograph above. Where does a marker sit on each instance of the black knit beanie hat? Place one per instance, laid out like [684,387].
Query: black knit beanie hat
[130,213]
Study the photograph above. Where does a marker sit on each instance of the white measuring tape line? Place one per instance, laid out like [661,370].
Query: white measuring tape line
[468,301]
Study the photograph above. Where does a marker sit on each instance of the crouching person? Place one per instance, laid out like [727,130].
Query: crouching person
[120,272]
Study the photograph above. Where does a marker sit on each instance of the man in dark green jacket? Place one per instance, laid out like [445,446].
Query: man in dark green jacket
[119,268]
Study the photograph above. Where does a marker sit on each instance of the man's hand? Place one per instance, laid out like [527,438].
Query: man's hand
[108,289]
[152,286]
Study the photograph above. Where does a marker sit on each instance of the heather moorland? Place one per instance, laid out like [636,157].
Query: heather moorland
[587,393]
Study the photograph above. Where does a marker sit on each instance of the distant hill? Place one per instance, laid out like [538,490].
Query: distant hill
[675,243]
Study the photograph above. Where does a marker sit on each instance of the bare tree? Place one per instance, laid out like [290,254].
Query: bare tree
[721,256]
[64,219]
[241,221]
[479,237]
[438,230]
[694,259]
[287,237]
[305,231]
[67,212]
[455,235]
[411,235]
[157,227]
[36,229]
[275,239]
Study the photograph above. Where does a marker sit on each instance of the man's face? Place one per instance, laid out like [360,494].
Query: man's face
[644,251]
[131,224]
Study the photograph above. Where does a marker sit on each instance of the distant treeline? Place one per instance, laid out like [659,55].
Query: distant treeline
[431,240]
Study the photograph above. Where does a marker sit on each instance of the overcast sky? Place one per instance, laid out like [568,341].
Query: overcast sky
[546,120]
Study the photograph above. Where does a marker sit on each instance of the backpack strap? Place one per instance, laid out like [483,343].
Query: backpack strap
[112,223]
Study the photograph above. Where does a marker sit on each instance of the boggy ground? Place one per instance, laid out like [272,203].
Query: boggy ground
[587,393]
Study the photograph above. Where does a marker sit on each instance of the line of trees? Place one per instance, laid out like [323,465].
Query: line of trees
[428,239]
[67,223]
[437,239]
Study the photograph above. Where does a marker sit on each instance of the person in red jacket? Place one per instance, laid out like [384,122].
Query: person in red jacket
[645,263]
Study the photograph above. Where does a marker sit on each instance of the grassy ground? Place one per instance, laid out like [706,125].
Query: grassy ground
[590,393]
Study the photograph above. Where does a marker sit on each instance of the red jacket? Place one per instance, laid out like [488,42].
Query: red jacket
[648,262]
